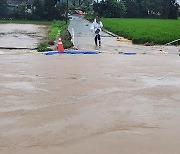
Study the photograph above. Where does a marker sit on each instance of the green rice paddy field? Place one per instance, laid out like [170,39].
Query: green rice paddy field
[140,31]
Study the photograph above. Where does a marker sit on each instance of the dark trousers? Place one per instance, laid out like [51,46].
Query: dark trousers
[98,37]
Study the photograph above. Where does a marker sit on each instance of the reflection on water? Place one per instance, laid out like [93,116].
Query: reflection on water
[21,35]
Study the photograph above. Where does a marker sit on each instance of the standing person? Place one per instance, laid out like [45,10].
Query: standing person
[96,27]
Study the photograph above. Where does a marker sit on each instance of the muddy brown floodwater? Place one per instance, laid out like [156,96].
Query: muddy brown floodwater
[89,104]
[19,36]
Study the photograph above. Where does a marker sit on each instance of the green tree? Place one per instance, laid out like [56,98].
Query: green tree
[123,8]
[49,9]
[154,8]
[20,12]
[173,11]
[133,9]
[60,11]
[3,8]
[37,10]
[137,8]
[169,9]
[98,8]
[110,8]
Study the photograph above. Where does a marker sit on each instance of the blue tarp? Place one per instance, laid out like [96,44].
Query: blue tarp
[129,53]
[80,52]
[70,52]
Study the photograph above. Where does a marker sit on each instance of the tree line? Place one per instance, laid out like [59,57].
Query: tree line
[166,9]
[37,10]
[56,9]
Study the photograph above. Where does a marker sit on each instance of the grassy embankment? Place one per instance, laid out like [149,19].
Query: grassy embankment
[56,27]
[141,31]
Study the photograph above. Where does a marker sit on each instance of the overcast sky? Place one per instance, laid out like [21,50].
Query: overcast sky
[178,1]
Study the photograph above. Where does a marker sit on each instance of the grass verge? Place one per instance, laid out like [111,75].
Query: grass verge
[57,29]
[141,31]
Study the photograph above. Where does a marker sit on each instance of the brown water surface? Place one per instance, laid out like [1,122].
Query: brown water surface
[87,104]
[21,35]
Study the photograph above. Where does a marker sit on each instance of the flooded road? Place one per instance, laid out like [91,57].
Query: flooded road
[89,104]
[97,104]
[19,36]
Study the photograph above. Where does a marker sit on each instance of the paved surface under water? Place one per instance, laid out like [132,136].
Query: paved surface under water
[21,35]
[84,104]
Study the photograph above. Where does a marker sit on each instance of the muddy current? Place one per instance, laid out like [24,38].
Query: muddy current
[21,37]
[87,104]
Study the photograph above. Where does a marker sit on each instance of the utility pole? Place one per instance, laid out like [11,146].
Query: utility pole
[67,12]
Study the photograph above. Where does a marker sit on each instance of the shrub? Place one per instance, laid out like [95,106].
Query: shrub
[56,27]
[43,47]
[62,27]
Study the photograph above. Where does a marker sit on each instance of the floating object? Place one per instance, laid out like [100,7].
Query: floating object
[162,51]
[120,52]
[70,52]
[75,47]
[123,40]
[60,46]
[129,53]
[143,53]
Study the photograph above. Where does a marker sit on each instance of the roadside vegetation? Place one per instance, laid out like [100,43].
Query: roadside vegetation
[58,29]
[161,9]
[144,31]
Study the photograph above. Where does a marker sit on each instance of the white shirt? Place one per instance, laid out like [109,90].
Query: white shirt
[96,26]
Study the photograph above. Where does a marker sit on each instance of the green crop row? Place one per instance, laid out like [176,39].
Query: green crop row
[141,31]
